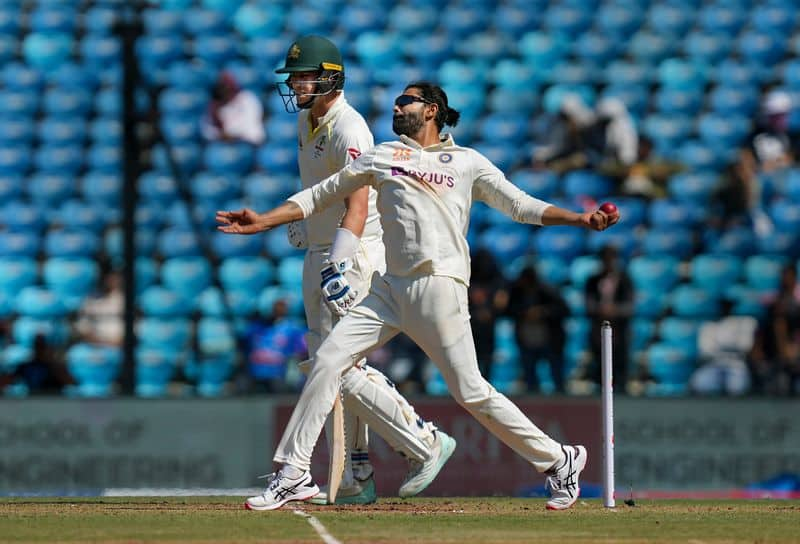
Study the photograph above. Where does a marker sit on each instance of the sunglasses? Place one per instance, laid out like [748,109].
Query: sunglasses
[406,99]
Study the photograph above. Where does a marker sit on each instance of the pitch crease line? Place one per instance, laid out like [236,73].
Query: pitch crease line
[318,527]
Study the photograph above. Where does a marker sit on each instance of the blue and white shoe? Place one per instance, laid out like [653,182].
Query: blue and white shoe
[281,490]
[422,474]
[563,480]
[361,492]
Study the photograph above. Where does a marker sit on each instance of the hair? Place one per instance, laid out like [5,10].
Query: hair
[436,95]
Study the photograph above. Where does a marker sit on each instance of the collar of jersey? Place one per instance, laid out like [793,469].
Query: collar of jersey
[446,141]
[336,107]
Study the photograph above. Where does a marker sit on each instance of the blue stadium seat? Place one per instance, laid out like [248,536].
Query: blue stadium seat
[676,241]
[582,268]
[786,215]
[8,48]
[595,48]
[26,328]
[356,18]
[216,187]
[698,155]
[618,21]
[108,101]
[17,273]
[669,213]
[71,102]
[18,76]
[540,50]
[576,301]
[10,187]
[538,183]
[642,332]
[277,159]
[667,131]
[763,272]
[99,19]
[186,276]
[463,21]
[650,48]
[636,97]
[78,214]
[169,333]
[277,245]
[228,159]
[190,75]
[147,273]
[52,19]
[749,301]
[104,129]
[264,19]
[212,373]
[50,189]
[723,131]
[177,101]
[248,273]
[695,187]
[654,272]
[775,18]
[734,99]
[178,242]
[155,369]
[19,215]
[225,246]
[670,20]
[215,49]
[563,242]
[678,73]
[671,367]
[567,20]
[19,244]
[377,49]
[46,51]
[713,273]
[305,19]
[572,73]
[71,75]
[100,50]
[16,131]
[19,102]
[244,302]
[40,302]
[650,304]
[290,272]
[61,131]
[513,75]
[15,160]
[722,18]
[515,20]
[158,188]
[160,302]
[215,337]
[94,368]
[624,238]
[71,278]
[633,211]
[679,333]
[764,48]
[678,102]
[187,157]
[71,243]
[499,153]
[405,19]
[506,242]
[733,71]
[691,301]
[59,159]
[211,303]
[585,183]
[739,241]
[779,244]
[705,48]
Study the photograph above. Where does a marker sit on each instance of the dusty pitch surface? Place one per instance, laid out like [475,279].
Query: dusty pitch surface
[455,520]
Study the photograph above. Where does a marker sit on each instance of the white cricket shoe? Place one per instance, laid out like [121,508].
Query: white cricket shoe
[421,475]
[281,490]
[563,480]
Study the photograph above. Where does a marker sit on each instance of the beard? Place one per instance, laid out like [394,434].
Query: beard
[407,124]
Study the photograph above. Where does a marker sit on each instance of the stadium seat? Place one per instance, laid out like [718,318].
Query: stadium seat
[46,50]
[186,276]
[269,295]
[165,333]
[178,242]
[506,242]
[277,245]
[680,102]
[650,48]
[264,19]
[540,50]
[618,21]
[71,243]
[215,337]
[94,368]
[763,272]
[671,368]
[713,273]
[212,373]
[582,268]
[723,131]
[17,130]
[623,237]
[786,215]
[679,333]
[248,273]
[719,18]
[677,73]
[277,159]
[677,241]
[17,273]
[564,242]
[15,160]
[71,278]
[764,48]
[26,328]
[739,241]
[693,187]
[585,183]
[73,103]
[669,20]
[734,99]
[160,302]
[215,49]
[775,18]
[539,183]
[642,332]
[155,369]
[99,50]
[654,272]
[19,244]
[705,48]
[667,131]
[224,245]
[290,272]
[694,302]
[52,18]
[40,302]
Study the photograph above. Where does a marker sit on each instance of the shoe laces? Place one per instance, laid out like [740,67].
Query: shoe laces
[273,479]
[557,483]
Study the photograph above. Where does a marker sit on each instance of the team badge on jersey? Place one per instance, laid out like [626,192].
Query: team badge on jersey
[319,147]
[445,157]
[353,152]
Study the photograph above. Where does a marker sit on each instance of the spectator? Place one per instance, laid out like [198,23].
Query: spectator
[724,347]
[271,343]
[564,147]
[538,311]
[776,369]
[234,114]
[100,319]
[770,143]
[487,300]
[609,297]
[647,177]
[43,373]
[739,197]
[612,140]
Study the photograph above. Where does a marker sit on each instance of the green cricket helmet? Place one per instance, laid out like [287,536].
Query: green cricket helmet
[311,54]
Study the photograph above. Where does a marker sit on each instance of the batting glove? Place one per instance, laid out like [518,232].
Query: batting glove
[298,235]
[339,296]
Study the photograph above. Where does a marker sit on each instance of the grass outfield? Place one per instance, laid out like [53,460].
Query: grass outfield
[457,520]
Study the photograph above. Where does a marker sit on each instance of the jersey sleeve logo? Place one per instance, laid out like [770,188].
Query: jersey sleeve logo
[353,152]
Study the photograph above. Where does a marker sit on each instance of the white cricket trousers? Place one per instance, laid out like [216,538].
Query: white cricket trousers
[369,397]
[433,312]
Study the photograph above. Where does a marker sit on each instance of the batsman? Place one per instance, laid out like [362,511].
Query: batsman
[344,250]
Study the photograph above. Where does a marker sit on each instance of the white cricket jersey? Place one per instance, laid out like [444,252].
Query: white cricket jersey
[424,200]
[341,136]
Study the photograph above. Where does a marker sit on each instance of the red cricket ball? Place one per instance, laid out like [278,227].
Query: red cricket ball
[608,207]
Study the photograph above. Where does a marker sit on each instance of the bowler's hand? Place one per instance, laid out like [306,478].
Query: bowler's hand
[244,221]
[600,220]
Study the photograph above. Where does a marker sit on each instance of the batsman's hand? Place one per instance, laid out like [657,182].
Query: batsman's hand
[244,221]
[338,293]
[298,234]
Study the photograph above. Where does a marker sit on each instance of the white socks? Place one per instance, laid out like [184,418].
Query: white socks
[291,472]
